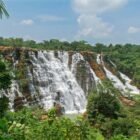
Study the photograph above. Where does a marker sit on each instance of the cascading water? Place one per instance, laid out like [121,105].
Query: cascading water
[56,83]
[124,88]
[113,64]
[76,58]
[132,89]
[52,81]
[98,59]
[59,78]
[115,80]
[12,93]
[91,76]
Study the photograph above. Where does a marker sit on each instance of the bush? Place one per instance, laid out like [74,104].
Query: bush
[28,125]
[103,104]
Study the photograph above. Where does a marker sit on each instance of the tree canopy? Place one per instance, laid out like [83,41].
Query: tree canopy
[3,10]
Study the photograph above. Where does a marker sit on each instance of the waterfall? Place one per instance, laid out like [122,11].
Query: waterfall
[52,80]
[97,79]
[98,59]
[132,89]
[76,58]
[124,88]
[113,64]
[12,93]
[56,83]
[115,80]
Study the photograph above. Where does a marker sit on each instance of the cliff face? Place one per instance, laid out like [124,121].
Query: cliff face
[51,78]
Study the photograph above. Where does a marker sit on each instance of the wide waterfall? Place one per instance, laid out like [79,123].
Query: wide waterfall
[61,79]
[52,81]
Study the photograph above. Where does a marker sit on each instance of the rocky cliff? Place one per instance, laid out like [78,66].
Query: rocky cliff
[59,78]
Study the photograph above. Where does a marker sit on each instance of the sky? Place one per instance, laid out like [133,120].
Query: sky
[95,21]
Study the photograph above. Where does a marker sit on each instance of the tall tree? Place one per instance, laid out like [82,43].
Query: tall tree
[5,82]
[3,11]
[5,78]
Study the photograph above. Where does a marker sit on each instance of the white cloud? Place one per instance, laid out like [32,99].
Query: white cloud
[27,22]
[96,6]
[133,30]
[46,18]
[93,26]
[90,19]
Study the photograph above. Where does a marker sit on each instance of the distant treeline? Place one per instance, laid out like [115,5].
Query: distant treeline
[52,44]
[55,44]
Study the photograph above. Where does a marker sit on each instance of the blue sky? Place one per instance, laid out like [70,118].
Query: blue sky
[104,21]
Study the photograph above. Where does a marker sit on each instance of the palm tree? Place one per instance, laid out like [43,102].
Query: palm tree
[3,10]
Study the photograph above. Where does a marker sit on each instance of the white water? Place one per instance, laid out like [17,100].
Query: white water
[132,89]
[12,93]
[52,81]
[76,58]
[124,88]
[97,79]
[57,80]
[98,59]
[116,81]
[113,64]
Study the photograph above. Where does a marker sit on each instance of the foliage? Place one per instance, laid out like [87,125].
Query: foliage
[122,137]
[52,44]
[5,81]
[5,78]
[103,104]
[3,105]
[27,125]
[3,10]
[106,112]
[126,58]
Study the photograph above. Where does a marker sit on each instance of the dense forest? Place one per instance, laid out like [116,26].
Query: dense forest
[109,116]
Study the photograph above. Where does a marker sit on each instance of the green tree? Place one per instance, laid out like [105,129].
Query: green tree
[5,78]
[5,82]
[3,10]
[103,104]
